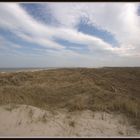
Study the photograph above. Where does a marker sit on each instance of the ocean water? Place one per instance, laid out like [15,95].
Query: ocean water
[22,69]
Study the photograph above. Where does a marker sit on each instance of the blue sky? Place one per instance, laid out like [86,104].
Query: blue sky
[36,10]
[69,34]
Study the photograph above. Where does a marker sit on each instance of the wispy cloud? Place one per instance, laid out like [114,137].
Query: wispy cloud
[119,19]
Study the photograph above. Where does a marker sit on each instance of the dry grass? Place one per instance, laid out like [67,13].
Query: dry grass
[104,89]
[72,123]
[44,118]
[31,113]
[10,107]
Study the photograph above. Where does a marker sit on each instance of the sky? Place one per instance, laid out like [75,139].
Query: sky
[58,34]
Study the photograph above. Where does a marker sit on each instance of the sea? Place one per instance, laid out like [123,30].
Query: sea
[24,69]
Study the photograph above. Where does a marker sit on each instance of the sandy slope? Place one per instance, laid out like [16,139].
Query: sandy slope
[23,120]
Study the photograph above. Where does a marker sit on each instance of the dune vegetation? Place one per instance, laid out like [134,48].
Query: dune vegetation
[96,89]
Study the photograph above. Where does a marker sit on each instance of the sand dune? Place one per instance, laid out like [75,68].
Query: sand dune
[78,102]
[25,121]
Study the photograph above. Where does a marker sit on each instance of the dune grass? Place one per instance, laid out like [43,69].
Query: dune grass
[104,89]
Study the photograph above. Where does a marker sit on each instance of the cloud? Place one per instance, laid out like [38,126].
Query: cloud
[120,19]
[6,44]
[30,30]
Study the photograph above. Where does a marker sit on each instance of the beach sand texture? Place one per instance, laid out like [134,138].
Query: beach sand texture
[26,121]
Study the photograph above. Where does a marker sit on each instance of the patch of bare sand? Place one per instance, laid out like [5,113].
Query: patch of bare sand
[23,120]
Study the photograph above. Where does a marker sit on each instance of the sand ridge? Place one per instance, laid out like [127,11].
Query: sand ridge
[25,120]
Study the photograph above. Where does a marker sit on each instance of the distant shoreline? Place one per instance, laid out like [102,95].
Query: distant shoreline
[5,70]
